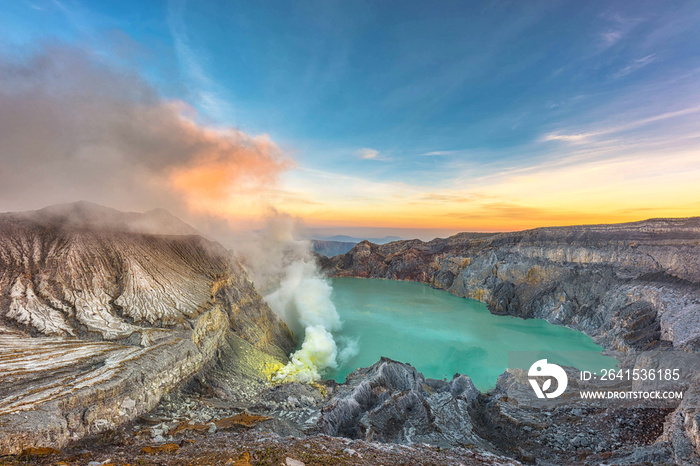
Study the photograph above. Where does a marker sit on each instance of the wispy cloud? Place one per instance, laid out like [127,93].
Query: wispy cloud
[582,137]
[618,27]
[635,65]
[592,188]
[441,152]
[571,137]
[206,93]
[78,16]
[368,154]
[36,7]
[611,37]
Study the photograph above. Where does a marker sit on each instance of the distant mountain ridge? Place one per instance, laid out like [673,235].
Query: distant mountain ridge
[331,248]
[88,215]
[354,239]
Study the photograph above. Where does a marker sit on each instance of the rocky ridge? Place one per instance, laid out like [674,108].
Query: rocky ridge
[634,285]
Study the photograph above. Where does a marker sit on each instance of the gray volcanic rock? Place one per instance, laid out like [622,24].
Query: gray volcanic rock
[96,322]
[392,402]
[572,431]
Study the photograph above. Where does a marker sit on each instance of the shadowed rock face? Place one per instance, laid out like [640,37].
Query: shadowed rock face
[391,402]
[98,321]
[331,248]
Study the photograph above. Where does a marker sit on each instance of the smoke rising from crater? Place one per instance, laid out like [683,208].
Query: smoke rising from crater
[286,273]
[73,127]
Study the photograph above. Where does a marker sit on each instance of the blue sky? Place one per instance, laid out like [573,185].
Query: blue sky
[436,98]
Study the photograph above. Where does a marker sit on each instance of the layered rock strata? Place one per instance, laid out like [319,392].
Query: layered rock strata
[98,321]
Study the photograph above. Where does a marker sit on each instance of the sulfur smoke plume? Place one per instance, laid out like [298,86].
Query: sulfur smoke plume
[287,275]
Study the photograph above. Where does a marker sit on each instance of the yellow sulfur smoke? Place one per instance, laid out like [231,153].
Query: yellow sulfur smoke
[318,352]
[304,300]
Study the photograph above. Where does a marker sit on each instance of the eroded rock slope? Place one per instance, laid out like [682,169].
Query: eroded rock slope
[98,318]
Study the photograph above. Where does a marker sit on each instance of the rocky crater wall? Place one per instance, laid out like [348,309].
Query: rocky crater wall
[629,286]
[97,323]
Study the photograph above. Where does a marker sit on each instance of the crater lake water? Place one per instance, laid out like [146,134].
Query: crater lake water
[441,334]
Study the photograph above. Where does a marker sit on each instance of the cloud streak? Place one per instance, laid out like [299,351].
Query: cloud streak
[206,93]
[635,65]
[588,136]
[368,154]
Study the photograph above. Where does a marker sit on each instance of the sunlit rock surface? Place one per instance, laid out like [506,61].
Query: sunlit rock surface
[99,317]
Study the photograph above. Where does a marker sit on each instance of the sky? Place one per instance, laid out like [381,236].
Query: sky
[412,118]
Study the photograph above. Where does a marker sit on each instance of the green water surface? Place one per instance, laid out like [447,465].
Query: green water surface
[441,334]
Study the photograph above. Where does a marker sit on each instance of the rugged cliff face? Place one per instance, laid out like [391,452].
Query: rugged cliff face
[98,319]
[633,285]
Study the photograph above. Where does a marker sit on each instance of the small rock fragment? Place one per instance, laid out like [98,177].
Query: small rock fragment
[165,448]
[241,460]
[42,451]
[243,419]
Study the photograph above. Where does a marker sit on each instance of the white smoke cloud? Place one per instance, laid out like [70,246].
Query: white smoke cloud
[286,273]
[349,348]
[74,126]
[304,297]
[317,353]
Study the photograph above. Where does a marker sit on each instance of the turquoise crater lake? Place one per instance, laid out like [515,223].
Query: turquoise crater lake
[441,334]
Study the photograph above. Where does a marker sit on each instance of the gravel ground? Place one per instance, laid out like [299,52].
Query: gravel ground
[247,446]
